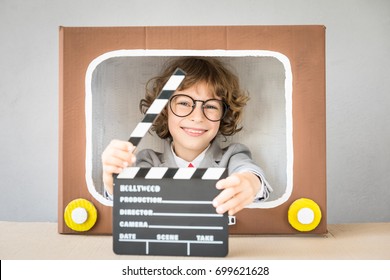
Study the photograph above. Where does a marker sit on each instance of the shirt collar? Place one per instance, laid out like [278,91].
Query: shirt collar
[183,163]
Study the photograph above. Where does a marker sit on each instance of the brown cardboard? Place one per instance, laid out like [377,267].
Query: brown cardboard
[304,46]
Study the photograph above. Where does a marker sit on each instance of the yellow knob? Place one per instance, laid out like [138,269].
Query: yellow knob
[80,215]
[304,214]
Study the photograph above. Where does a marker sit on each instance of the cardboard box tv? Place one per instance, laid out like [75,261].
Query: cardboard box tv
[103,72]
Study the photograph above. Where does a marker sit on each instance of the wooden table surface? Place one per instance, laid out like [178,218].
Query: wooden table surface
[343,241]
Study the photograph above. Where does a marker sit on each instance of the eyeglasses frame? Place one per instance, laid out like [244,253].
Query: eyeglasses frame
[225,106]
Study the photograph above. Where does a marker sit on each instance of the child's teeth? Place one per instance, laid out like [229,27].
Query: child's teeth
[194,130]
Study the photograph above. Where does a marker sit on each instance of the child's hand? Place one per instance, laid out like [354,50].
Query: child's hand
[238,190]
[117,155]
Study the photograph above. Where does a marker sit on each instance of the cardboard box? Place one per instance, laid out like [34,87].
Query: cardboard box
[284,68]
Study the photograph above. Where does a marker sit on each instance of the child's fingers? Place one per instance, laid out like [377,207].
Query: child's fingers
[235,195]
[110,169]
[230,186]
[224,196]
[233,205]
[117,154]
[229,182]
[120,149]
[239,202]
[124,156]
[122,145]
[117,162]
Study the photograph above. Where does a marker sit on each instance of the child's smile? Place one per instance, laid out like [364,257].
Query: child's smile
[194,131]
[192,134]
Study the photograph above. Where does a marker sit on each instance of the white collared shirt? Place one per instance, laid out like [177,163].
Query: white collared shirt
[183,163]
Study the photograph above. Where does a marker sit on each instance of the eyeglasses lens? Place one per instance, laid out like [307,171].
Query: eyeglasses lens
[182,106]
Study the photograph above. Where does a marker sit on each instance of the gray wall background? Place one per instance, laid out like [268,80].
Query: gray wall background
[358,91]
[118,84]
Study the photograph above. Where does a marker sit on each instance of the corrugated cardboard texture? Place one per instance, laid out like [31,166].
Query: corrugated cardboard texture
[304,46]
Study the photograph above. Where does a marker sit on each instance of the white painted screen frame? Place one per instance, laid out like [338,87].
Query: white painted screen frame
[176,53]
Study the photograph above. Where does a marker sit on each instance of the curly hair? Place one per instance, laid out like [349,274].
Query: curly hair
[221,82]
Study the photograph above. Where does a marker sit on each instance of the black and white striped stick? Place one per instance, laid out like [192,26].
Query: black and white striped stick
[213,173]
[157,106]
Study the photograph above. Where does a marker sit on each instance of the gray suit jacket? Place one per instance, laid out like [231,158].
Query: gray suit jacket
[235,157]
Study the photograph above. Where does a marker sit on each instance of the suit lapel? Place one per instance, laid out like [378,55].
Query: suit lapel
[167,159]
[213,156]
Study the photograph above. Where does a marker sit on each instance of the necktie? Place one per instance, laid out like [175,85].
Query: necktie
[190,165]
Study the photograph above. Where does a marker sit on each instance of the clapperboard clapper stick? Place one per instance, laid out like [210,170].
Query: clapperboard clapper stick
[157,106]
[167,211]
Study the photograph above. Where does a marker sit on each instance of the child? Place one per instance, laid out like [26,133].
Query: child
[208,103]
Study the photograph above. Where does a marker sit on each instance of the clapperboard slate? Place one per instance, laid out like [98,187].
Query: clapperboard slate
[168,211]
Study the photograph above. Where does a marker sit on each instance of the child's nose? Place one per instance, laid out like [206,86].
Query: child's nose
[197,114]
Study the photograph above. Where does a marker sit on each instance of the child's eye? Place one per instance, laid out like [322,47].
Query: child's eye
[184,104]
[211,107]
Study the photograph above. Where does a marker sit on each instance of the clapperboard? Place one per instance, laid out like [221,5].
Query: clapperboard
[167,211]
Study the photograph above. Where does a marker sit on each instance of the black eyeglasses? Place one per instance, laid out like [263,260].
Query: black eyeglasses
[183,105]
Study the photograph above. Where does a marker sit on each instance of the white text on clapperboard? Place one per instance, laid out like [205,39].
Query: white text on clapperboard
[145,212]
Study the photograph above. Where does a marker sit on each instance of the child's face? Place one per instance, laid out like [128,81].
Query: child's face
[193,133]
